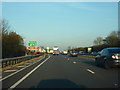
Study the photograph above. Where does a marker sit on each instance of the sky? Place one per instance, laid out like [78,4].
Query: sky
[63,24]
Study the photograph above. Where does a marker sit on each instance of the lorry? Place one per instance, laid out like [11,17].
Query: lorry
[56,50]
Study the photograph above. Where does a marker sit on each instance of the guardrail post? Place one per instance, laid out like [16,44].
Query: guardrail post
[6,63]
[3,64]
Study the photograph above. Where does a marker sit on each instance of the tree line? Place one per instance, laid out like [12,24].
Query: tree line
[12,43]
[112,40]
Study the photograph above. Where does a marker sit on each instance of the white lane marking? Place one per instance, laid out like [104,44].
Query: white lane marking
[0,76]
[20,66]
[116,84]
[18,82]
[90,71]
[10,70]
[68,59]
[20,70]
[74,62]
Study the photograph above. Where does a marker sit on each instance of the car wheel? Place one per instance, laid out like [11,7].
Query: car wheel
[106,66]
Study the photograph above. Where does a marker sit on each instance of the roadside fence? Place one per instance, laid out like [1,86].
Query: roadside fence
[16,60]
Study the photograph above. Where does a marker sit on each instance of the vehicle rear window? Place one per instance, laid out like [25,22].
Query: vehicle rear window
[56,50]
[74,51]
[113,51]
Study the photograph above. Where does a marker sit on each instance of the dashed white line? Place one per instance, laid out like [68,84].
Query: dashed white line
[90,71]
[116,84]
[74,62]
[18,82]
[68,59]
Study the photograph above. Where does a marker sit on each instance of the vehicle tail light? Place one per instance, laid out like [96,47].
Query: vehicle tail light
[115,56]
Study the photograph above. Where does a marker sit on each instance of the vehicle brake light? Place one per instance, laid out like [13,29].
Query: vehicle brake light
[115,56]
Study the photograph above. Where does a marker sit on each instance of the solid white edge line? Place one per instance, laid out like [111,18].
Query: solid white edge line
[19,70]
[11,70]
[18,82]
[90,71]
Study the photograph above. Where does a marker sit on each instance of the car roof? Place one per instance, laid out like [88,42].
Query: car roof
[113,48]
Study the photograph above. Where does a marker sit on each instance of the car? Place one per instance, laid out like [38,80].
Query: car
[56,52]
[81,52]
[108,57]
[73,54]
[51,51]
[94,53]
[65,52]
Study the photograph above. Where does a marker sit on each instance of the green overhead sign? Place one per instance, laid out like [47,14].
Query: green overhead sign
[32,43]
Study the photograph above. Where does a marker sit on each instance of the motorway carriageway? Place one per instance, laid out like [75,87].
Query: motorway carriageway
[60,71]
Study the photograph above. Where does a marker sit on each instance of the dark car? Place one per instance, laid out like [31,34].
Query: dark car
[73,53]
[108,57]
[94,53]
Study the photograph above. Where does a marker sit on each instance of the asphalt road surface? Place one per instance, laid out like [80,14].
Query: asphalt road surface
[61,71]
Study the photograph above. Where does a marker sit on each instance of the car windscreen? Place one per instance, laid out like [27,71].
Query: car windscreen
[114,51]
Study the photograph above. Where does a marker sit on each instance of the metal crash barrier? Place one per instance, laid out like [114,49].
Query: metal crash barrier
[16,60]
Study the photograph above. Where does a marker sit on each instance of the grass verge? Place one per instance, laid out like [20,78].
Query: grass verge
[88,56]
[12,66]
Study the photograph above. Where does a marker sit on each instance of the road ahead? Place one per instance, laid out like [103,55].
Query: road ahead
[63,71]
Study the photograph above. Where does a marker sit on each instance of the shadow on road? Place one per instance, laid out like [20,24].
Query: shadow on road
[92,63]
[57,83]
[89,63]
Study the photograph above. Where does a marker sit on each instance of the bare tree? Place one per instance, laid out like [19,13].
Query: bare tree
[98,41]
[113,39]
[12,43]
[5,27]
[0,39]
